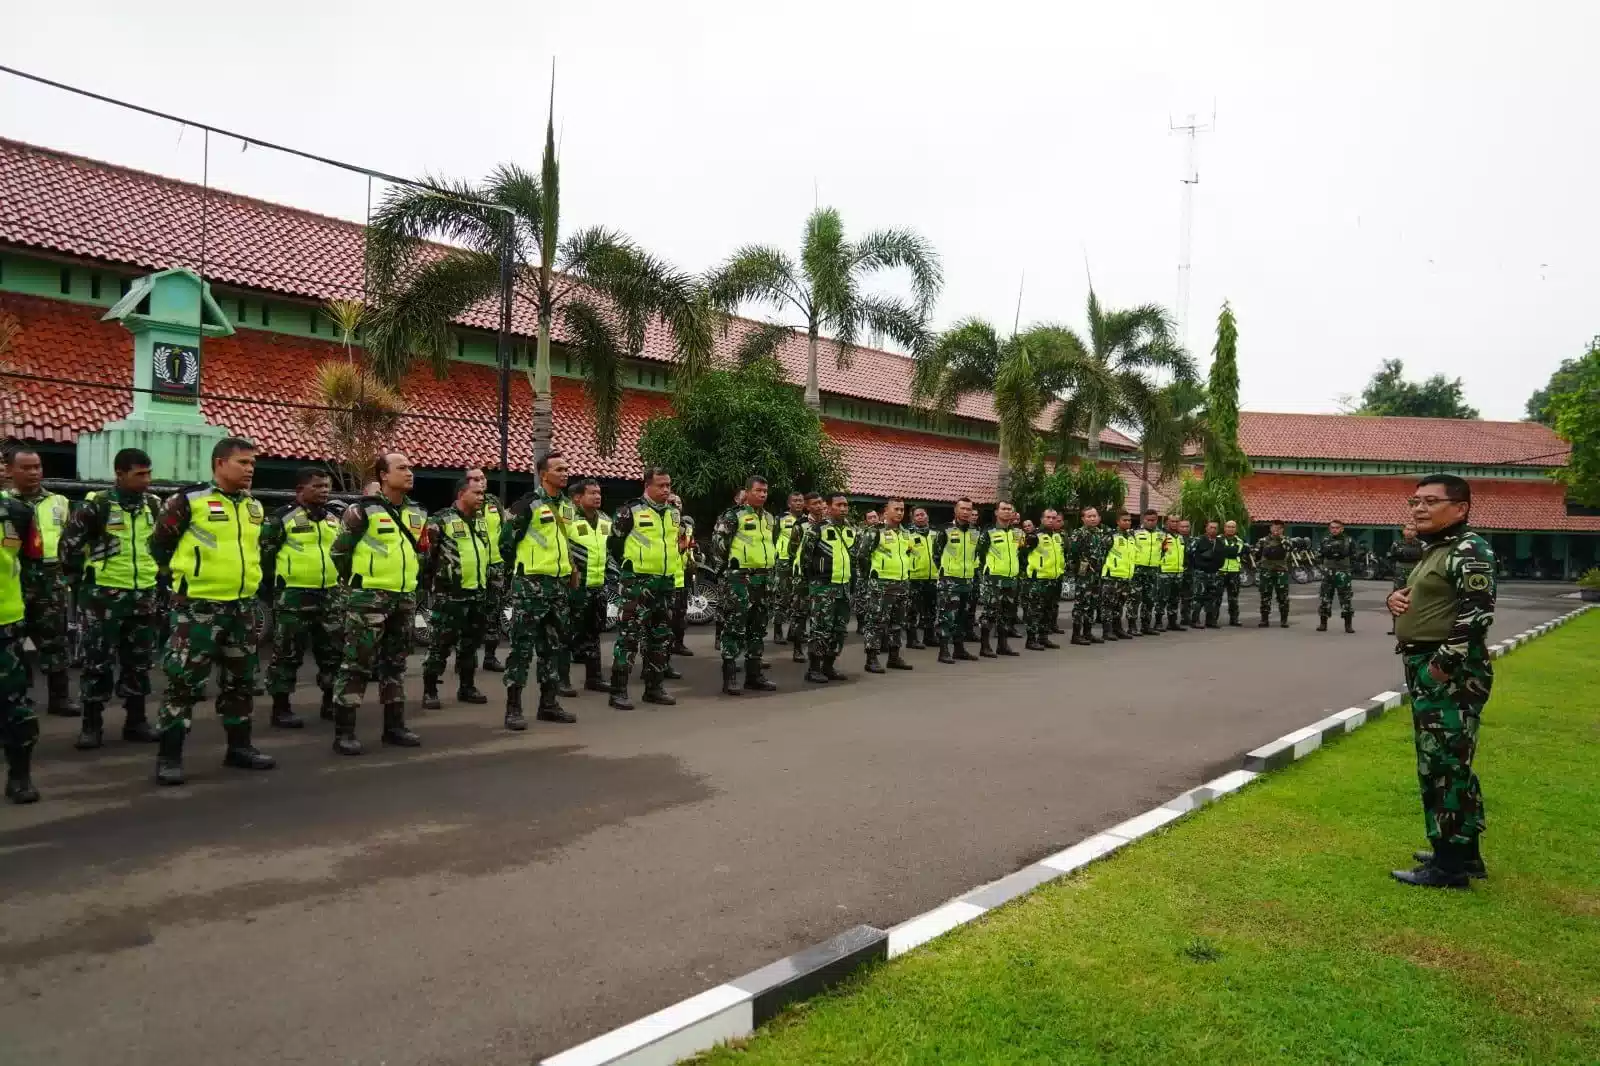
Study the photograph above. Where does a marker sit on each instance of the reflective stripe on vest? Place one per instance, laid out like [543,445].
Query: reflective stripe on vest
[788,539]
[219,555]
[593,537]
[493,518]
[1048,560]
[837,543]
[472,550]
[890,556]
[1172,558]
[1001,560]
[1146,547]
[1119,562]
[652,544]
[1232,565]
[384,558]
[50,514]
[960,555]
[305,561]
[12,607]
[919,549]
[120,558]
[752,541]
[543,548]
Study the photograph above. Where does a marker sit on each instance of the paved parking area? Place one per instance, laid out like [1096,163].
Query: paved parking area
[495,896]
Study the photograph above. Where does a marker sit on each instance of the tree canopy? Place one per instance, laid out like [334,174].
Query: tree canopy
[1217,494]
[1389,393]
[1565,379]
[1576,413]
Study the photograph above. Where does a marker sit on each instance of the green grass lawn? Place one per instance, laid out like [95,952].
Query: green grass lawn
[1266,929]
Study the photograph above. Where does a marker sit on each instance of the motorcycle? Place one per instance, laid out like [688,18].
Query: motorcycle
[1303,567]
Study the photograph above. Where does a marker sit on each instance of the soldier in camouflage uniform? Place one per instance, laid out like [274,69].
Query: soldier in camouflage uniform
[922,595]
[644,542]
[297,571]
[210,539]
[536,546]
[1233,554]
[1443,617]
[1044,561]
[1271,554]
[1404,554]
[493,517]
[21,566]
[790,528]
[1188,605]
[1000,569]
[1205,556]
[825,564]
[744,539]
[816,513]
[1116,579]
[379,553]
[47,605]
[1145,617]
[1335,554]
[586,602]
[955,553]
[105,560]
[883,553]
[1086,554]
[456,572]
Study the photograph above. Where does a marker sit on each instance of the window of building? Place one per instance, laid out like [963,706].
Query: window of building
[94,286]
[66,282]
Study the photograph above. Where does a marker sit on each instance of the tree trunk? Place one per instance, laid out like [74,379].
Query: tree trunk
[1144,480]
[1091,441]
[543,415]
[1002,486]
[813,390]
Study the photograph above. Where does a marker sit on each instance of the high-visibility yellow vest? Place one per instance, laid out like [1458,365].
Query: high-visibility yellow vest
[1147,546]
[306,561]
[219,555]
[752,542]
[494,516]
[120,559]
[1001,560]
[789,528]
[12,606]
[1120,560]
[50,513]
[593,537]
[891,560]
[919,548]
[960,556]
[543,549]
[651,546]
[472,548]
[1048,560]
[1172,559]
[1232,565]
[837,541]
[384,557]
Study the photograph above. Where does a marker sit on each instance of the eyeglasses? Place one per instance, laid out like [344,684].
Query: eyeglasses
[1430,501]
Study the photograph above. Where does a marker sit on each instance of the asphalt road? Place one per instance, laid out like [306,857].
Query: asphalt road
[493,897]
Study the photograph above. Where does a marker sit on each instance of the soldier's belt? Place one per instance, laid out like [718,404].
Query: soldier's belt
[1417,647]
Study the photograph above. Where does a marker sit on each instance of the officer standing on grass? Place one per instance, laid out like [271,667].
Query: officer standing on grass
[586,608]
[955,547]
[1272,574]
[1442,620]
[1335,555]
[456,570]
[781,595]
[21,566]
[297,571]
[535,544]
[745,539]
[884,551]
[1404,554]
[922,610]
[1233,551]
[106,563]
[47,604]
[644,541]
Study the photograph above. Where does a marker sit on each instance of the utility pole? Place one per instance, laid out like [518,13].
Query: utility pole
[1191,177]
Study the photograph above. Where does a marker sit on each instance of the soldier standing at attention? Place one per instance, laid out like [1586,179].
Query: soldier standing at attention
[106,563]
[456,570]
[744,538]
[1335,554]
[590,531]
[493,516]
[297,571]
[1086,556]
[1205,557]
[21,565]
[47,603]
[825,564]
[1442,620]
[379,554]
[1047,560]
[816,513]
[1272,573]
[1174,569]
[1233,549]
[781,595]
[644,541]
[535,544]
[884,550]
[922,593]
[1188,605]
[999,552]
[956,549]
[1404,553]
[1055,523]
[1144,611]
[210,539]
[684,579]
[1116,579]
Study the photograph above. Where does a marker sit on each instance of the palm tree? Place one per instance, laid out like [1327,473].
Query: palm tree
[1170,419]
[1026,373]
[824,289]
[353,414]
[602,287]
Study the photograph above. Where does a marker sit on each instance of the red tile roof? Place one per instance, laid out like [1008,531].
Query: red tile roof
[68,204]
[1447,441]
[920,466]
[63,340]
[1380,501]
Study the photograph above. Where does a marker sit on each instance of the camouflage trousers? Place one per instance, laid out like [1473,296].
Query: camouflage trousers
[1086,599]
[456,623]
[1115,595]
[1335,581]
[305,618]
[799,601]
[1208,597]
[1170,597]
[780,593]
[538,627]
[1231,582]
[885,610]
[743,608]
[377,638]
[956,604]
[1145,605]
[46,622]
[494,607]
[586,617]
[1041,601]
[1274,585]
[644,630]
[1445,718]
[827,618]
[922,605]
[207,633]
[997,603]
[119,642]
[18,726]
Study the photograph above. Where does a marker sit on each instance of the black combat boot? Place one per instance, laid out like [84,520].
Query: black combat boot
[325,712]
[593,681]
[1175,623]
[467,689]
[1264,623]
[1233,620]
[754,679]
[136,728]
[241,754]
[169,756]
[962,654]
[491,661]
[1446,868]
[430,694]
[1003,644]
[654,693]
[565,690]
[1032,644]
[1081,634]
[945,656]
[799,650]
[930,637]
[680,648]
[1283,619]
[670,672]
[814,672]
[1471,860]
[873,665]
[832,672]
[896,662]
[394,727]
[730,678]
[1088,631]
[984,650]
[283,716]
[91,732]
[61,704]
[19,763]
[1046,644]
[344,731]
[1349,624]
[777,632]
[913,641]
[619,690]
[550,710]
[514,719]
[1322,623]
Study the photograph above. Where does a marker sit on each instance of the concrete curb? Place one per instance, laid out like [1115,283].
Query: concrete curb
[732,1011]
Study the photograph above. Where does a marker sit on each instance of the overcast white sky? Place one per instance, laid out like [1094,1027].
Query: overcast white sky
[1410,181]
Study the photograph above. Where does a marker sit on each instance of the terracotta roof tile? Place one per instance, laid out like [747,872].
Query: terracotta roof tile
[1504,504]
[1422,440]
[65,341]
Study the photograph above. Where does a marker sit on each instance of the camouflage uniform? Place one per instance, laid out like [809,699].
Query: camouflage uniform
[47,598]
[1230,581]
[19,729]
[499,589]
[1272,575]
[781,595]
[997,594]
[539,622]
[1086,554]
[828,601]
[800,598]
[302,617]
[1205,556]
[644,628]
[1444,634]
[885,601]
[922,597]
[1335,555]
[1144,606]
[1404,555]
[458,616]
[743,602]
[586,603]
[957,595]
